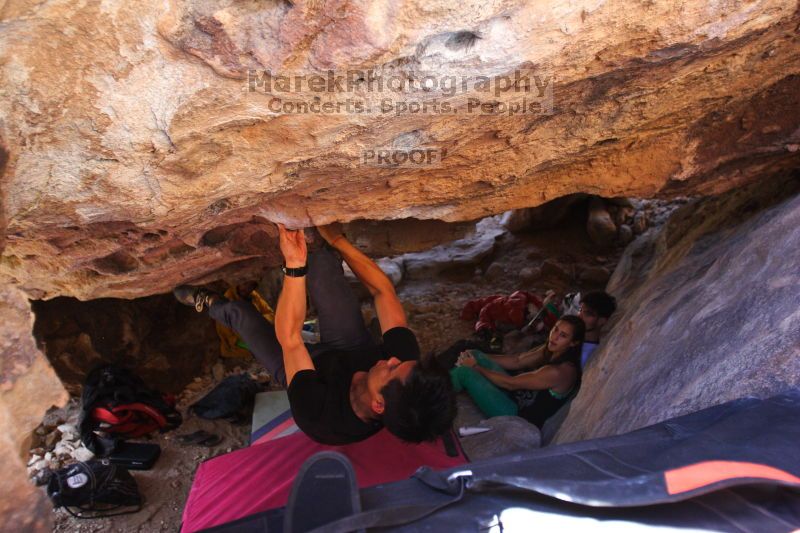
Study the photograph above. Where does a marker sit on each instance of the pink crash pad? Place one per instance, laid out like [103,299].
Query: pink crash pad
[260,477]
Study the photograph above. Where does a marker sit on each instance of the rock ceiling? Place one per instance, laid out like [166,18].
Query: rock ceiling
[146,144]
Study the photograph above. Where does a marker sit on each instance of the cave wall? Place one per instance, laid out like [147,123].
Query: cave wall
[708,313]
[28,387]
[132,133]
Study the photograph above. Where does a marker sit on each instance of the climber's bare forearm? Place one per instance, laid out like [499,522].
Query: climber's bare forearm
[509,362]
[529,359]
[549,376]
[289,317]
[365,269]
[387,305]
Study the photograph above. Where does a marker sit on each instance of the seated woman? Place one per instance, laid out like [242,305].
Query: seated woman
[553,368]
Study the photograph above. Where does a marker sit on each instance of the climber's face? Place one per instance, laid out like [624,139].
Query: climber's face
[381,374]
[590,317]
[560,339]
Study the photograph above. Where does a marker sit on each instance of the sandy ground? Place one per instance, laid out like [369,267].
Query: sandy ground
[433,307]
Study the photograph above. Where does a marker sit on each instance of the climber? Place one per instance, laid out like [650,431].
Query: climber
[595,309]
[553,371]
[346,387]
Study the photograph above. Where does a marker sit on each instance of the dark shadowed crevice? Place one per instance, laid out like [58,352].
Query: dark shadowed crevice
[166,343]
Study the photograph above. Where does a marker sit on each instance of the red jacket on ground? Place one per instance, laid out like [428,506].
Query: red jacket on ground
[491,310]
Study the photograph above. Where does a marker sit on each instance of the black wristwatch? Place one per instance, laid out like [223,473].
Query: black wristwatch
[295,272]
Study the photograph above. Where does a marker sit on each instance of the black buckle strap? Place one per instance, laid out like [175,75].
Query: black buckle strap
[454,485]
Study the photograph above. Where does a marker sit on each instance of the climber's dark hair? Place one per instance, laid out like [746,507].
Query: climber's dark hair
[422,407]
[600,302]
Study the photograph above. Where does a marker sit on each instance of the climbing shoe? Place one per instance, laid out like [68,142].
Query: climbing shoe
[327,484]
[197,297]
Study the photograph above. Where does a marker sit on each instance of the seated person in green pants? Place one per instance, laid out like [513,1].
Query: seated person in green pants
[553,368]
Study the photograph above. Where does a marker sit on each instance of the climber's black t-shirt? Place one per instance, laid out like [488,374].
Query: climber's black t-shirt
[320,398]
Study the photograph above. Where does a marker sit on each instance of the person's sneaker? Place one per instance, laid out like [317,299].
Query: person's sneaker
[197,297]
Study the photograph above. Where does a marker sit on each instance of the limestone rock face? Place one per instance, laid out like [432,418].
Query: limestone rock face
[135,155]
[708,313]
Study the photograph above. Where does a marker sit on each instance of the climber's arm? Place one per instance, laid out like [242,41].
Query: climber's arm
[547,377]
[528,359]
[532,358]
[291,310]
[387,304]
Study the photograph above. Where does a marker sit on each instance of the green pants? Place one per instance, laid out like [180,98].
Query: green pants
[490,399]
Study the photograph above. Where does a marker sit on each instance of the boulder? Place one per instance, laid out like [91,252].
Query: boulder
[530,274]
[707,313]
[624,234]
[495,272]
[506,435]
[465,252]
[599,224]
[552,269]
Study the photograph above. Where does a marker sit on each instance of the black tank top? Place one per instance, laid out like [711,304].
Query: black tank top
[547,402]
